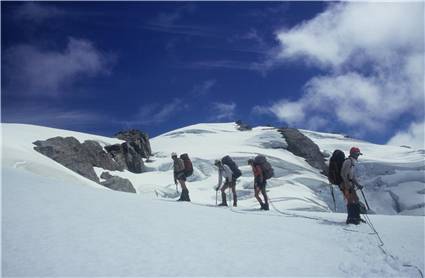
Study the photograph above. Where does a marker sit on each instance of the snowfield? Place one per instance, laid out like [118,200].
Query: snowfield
[57,223]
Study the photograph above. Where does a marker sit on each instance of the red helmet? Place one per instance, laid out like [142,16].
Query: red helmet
[355,150]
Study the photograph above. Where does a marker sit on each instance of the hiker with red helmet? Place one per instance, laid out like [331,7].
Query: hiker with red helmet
[349,186]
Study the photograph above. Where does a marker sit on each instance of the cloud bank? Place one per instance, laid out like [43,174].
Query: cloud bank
[414,136]
[372,59]
[31,70]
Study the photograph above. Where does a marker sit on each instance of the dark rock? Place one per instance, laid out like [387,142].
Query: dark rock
[126,156]
[301,145]
[81,158]
[117,153]
[130,154]
[105,175]
[98,157]
[117,183]
[243,126]
[138,140]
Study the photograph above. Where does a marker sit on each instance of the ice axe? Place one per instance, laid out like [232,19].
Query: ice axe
[333,196]
[364,197]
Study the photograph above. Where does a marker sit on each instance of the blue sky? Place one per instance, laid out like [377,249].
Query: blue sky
[101,67]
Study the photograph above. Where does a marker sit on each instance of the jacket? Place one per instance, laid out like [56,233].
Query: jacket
[178,167]
[348,173]
[226,172]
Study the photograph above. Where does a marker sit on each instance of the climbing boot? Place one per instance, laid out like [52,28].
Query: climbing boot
[186,195]
[181,197]
[352,211]
[224,201]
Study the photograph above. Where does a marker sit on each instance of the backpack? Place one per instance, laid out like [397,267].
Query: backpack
[232,165]
[267,169]
[188,167]
[335,165]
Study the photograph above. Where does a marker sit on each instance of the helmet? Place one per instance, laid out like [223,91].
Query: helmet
[173,154]
[355,151]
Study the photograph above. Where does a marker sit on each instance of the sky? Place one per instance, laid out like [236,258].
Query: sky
[102,67]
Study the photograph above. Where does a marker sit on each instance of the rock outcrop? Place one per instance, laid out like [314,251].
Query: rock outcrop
[301,145]
[116,183]
[130,154]
[126,156]
[138,140]
[80,158]
[242,126]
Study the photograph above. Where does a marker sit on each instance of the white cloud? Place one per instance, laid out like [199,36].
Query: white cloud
[373,58]
[32,70]
[36,12]
[346,30]
[292,112]
[223,111]
[413,136]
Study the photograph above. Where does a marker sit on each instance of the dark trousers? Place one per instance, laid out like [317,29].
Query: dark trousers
[353,211]
[261,187]
[231,185]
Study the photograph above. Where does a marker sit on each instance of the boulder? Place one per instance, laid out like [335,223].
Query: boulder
[138,140]
[81,158]
[99,158]
[301,145]
[126,156]
[117,183]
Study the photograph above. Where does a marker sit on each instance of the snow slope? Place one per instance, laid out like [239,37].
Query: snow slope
[69,229]
[57,223]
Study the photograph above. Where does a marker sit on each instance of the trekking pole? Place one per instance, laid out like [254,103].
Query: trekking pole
[216,193]
[364,197]
[333,196]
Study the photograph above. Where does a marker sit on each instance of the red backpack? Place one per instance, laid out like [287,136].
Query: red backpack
[188,167]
